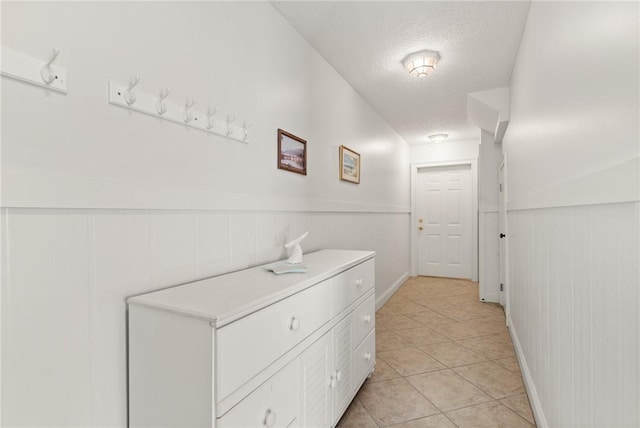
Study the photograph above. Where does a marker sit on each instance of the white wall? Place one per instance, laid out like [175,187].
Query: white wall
[447,151]
[99,203]
[581,120]
[209,52]
[573,212]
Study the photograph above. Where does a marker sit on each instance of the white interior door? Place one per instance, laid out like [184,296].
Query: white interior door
[444,206]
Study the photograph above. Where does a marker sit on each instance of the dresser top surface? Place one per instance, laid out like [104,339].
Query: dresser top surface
[226,298]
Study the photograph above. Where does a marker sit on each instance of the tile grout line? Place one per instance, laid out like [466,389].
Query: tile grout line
[492,335]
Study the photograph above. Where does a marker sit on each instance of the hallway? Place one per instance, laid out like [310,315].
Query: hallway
[444,359]
[112,185]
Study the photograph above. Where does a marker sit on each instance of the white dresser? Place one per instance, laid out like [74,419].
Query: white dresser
[254,349]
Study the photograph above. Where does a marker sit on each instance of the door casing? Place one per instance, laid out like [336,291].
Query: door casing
[504,244]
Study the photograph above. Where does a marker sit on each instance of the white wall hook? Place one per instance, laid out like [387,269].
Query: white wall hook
[161,106]
[210,113]
[245,130]
[48,76]
[230,119]
[158,105]
[32,70]
[187,114]
[129,96]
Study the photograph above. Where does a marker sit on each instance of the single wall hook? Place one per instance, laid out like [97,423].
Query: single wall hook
[230,119]
[245,130]
[161,106]
[129,96]
[210,113]
[187,114]
[48,76]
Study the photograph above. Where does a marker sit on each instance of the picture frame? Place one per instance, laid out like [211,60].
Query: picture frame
[349,165]
[292,153]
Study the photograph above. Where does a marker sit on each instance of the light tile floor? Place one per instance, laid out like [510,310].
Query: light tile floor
[444,359]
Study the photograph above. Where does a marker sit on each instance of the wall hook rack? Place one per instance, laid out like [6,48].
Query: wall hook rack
[182,114]
[19,66]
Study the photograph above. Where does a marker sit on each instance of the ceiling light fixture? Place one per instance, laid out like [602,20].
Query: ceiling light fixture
[438,138]
[421,64]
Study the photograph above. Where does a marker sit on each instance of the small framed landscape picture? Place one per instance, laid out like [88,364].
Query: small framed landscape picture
[349,165]
[292,153]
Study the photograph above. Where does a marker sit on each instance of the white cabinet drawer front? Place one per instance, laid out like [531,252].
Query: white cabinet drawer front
[247,346]
[273,404]
[364,357]
[364,320]
[350,285]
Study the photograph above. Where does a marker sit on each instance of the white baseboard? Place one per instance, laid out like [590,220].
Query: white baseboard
[534,399]
[382,299]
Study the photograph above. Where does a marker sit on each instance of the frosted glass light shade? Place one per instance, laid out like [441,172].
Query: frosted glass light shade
[438,138]
[421,64]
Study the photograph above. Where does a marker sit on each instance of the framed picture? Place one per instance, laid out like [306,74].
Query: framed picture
[292,153]
[349,165]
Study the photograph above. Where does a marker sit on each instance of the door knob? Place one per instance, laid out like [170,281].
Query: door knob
[502,235]
[420,228]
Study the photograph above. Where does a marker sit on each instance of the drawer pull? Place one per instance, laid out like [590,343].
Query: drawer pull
[269,419]
[359,282]
[367,356]
[294,324]
[336,377]
[367,318]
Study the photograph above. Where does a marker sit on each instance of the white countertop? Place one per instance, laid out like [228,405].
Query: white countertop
[226,298]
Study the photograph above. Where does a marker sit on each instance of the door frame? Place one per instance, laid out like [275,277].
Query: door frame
[473,163]
[504,226]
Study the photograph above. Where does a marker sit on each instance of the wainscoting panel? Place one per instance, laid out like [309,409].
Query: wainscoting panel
[575,300]
[67,274]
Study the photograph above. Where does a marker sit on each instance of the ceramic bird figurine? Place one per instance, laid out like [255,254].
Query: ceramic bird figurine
[296,254]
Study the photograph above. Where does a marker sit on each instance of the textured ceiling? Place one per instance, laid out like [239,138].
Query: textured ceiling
[367,41]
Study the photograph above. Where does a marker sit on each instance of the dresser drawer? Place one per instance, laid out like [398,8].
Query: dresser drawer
[364,357]
[364,320]
[273,404]
[349,285]
[245,347]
